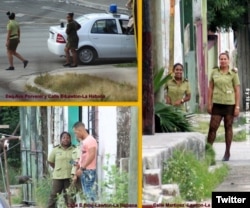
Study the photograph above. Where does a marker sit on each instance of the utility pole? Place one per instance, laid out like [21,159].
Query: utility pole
[147,75]
[171,36]
[133,158]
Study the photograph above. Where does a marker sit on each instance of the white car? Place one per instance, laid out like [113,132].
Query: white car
[102,36]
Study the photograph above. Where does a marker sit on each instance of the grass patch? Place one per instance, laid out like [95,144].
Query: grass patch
[192,175]
[239,137]
[83,87]
[203,127]
[134,64]
[32,89]
[42,191]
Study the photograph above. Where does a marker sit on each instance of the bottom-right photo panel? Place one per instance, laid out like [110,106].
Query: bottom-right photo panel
[187,163]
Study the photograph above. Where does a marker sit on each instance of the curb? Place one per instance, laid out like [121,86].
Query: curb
[61,71]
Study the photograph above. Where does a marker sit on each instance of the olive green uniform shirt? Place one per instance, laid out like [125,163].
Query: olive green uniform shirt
[177,91]
[61,158]
[13,27]
[76,153]
[223,92]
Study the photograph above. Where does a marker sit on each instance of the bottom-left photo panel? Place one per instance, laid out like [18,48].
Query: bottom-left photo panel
[68,156]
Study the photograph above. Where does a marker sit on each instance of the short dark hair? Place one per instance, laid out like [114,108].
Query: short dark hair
[78,124]
[71,14]
[177,64]
[11,15]
[64,132]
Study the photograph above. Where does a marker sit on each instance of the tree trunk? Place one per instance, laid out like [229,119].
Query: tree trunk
[147,75]
[133,158]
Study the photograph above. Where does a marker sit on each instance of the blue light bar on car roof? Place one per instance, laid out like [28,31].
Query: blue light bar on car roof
[113,8]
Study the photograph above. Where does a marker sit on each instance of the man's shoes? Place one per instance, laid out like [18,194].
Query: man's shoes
[25,63]
[10,68]
[73,66]
[67,64]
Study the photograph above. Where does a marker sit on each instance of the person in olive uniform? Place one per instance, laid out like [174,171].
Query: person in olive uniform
[72,40]
[59,159]
[12,41]
[178,89]
[223,101]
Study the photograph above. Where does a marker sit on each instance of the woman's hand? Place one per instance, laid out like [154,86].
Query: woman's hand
[178,102]
[236,111]
[209,109]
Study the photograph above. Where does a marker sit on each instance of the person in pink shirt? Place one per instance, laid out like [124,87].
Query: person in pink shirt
[87,162]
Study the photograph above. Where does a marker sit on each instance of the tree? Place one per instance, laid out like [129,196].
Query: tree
[236,15]
[225,14]
[147,75]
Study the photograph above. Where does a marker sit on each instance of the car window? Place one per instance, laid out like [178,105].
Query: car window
[127,26]
[123,24]
[98,26]
[107,26]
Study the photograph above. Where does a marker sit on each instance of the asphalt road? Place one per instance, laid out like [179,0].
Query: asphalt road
[34,17]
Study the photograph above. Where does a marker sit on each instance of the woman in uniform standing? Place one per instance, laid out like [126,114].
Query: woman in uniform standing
[12,41]
[178,89]
[223,101]
[59,159]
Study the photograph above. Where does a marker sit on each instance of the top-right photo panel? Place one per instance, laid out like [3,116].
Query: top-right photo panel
[195,103]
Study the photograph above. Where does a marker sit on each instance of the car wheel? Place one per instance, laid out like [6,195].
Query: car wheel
[87,55]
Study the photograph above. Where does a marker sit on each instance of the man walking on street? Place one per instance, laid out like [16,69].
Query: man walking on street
[87,163]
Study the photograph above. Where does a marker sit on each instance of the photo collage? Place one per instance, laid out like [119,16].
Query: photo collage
[124,103]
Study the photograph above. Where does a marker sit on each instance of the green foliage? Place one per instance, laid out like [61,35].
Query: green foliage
[10,116]
[160,80]
[210,154]
[12,173]
[225,13]
[192,175]
[170,119]
[115,185]
[239,137]
[42,191]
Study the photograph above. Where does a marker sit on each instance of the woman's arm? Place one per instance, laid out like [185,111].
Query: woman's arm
[210,97]
[8,38]
[237,100]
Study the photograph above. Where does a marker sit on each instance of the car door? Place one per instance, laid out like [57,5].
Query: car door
[128,39]
[104,36]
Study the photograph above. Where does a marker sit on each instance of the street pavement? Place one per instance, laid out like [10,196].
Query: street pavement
[104,4]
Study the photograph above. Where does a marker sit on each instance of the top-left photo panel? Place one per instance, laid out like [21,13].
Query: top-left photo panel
[69,50]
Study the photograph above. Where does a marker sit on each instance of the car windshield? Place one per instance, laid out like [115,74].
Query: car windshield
[82,19]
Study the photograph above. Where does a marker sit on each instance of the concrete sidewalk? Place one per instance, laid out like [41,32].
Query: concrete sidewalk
[239,164]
